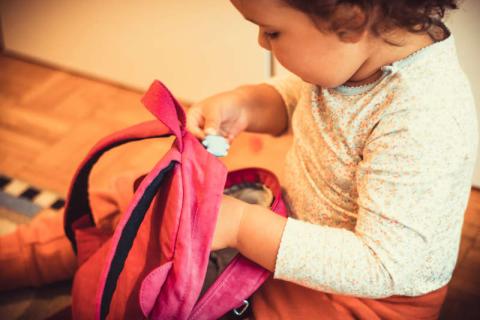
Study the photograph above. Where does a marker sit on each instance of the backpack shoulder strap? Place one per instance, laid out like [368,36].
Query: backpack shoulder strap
[171,120]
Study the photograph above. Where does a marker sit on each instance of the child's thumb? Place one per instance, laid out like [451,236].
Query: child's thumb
[194,122]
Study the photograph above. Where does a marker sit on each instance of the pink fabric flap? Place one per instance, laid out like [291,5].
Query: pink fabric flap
[151,286]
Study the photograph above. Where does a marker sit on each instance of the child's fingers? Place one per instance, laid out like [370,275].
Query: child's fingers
[211,131]
[197,132]
[194,122]
[212,124]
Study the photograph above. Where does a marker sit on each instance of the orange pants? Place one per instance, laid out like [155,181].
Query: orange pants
[279,299]
[39,253]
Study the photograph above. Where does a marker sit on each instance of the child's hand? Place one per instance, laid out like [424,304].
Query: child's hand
[221,114]
[228,223]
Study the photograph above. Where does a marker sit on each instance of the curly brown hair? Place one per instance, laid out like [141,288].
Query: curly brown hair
[378,15]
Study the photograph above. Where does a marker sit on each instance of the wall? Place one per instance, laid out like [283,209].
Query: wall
[196,47]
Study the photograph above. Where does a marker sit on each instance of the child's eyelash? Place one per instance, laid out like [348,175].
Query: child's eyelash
[271,35]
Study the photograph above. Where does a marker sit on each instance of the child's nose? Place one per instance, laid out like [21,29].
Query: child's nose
[263,42]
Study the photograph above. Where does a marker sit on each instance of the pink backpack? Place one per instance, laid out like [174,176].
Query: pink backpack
[154,264]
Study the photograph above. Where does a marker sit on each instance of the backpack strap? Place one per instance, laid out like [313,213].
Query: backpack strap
[160,102]
[78,212]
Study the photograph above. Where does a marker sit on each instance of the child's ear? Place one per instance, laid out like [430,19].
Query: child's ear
[349,22]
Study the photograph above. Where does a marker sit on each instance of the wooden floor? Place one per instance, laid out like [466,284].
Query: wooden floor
[49,119]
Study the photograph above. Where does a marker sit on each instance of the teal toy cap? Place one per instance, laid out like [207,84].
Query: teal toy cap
[216,145]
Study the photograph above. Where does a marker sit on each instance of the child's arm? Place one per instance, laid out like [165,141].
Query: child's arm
[412,190]
[265,108]
[252,229]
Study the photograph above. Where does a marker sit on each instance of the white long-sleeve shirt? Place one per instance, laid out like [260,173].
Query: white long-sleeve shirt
[378,178]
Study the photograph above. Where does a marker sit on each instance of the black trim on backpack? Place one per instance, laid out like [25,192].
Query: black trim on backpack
[126,239]
[79,205]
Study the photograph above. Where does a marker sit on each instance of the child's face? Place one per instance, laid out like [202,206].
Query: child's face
[293,38]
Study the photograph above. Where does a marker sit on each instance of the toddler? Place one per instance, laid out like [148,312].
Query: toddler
[377,178]
[379,172]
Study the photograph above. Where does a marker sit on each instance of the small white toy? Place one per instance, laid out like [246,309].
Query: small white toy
[216,145]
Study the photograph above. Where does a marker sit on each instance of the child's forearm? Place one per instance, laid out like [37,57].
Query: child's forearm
[265,108]
[259,235]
